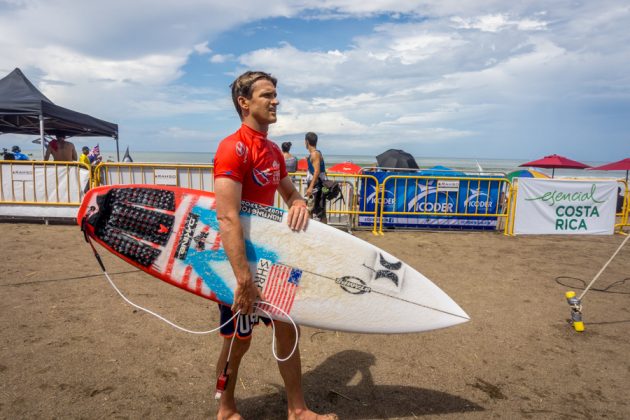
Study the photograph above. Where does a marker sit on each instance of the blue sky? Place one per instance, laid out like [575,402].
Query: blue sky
[471,79]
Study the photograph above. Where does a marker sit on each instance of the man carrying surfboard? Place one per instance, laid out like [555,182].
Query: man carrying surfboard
[248,166]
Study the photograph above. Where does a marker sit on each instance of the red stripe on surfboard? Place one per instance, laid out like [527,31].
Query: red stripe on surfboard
[186,277]
[198,286]
[217,242]
[171,258]
[278,290]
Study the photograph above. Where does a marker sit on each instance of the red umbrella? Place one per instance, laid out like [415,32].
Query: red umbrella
[302,165]
[556,161]
[622,165]
[345,168]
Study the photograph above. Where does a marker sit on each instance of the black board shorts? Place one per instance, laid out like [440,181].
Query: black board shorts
[246,323]
[316,203]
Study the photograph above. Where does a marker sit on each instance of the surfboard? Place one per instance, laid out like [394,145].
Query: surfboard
[321,277]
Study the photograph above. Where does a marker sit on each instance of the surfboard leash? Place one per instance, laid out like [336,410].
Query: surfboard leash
[575,303]
[223,379]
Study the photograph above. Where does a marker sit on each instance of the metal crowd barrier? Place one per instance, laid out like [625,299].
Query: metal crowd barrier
[39,182]
[624,215]
[42,189]
[195,176]
[341,212]
[451,207]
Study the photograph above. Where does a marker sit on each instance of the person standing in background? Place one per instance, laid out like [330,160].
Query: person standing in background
[84,158]
[289,160]
[315,177]
[17,153]
[61,150]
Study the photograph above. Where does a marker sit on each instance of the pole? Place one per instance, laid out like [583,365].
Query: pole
[117,150]
[41,135]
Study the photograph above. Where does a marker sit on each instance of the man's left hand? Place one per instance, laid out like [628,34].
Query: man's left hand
[298,216]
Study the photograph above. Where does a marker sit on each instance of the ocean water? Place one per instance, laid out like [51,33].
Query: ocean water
[460,164]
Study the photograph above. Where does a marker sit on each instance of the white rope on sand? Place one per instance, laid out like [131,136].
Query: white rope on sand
[603,268]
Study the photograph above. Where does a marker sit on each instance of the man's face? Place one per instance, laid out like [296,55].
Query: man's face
[263,104]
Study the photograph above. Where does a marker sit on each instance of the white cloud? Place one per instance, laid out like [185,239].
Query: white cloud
[179,133]
[221,58]
[497,23]
[202,48]
[288,63]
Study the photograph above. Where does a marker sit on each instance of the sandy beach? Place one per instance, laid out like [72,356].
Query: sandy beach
[72,348]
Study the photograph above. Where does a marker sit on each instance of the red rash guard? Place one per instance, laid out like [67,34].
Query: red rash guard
[248,157]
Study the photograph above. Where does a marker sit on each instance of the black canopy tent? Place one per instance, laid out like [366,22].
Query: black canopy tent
[25,110]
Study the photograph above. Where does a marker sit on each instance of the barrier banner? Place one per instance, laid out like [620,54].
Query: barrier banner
[418,196]
[565,207]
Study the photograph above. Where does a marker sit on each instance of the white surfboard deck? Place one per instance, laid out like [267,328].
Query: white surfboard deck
[321,277]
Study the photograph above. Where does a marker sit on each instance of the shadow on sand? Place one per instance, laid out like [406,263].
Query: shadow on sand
[327,390]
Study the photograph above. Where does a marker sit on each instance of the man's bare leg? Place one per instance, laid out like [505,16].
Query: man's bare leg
[291,372]
[227,403]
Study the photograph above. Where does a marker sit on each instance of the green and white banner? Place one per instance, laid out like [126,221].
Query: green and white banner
[565,207]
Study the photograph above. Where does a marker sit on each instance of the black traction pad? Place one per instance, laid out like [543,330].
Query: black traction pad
[158,199]
[121,224]
[150,225]
[130,247]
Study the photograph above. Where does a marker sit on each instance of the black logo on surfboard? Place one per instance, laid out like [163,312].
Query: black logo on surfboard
[388,273]
[188,233]
[353,285]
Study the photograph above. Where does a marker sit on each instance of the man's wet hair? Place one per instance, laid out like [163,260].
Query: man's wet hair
[242,86]
[286,146]
[311,138]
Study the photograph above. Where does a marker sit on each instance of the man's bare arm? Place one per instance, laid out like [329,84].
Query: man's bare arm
[228,198]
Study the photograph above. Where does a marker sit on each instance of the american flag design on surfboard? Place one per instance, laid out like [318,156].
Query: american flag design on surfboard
[280,288]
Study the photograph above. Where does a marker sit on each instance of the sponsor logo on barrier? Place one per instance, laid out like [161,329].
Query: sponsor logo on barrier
[572,217]
[187,236]
[423,203]
[22,173]
[449,185]
[478,199]
[166,177]
[374,197]
[259,210]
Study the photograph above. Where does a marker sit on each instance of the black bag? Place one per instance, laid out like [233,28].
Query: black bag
[332,191]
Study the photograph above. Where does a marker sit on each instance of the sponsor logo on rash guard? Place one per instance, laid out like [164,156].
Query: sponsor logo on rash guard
[240,149]
[261,178]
